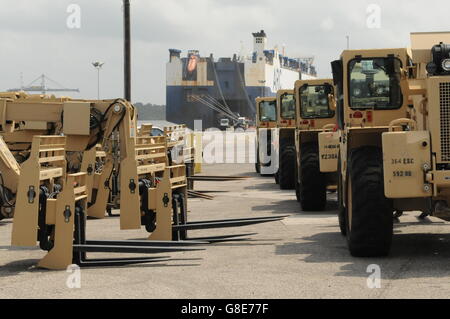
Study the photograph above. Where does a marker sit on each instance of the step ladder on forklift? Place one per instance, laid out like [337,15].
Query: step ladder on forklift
[184,147]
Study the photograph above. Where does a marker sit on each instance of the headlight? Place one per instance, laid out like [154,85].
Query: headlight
[446,65]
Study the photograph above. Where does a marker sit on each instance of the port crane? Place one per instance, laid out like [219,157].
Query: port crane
[42,86]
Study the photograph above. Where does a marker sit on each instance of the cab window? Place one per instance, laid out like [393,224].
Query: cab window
[288,106]
[314,101]
[267,111]
[375,83]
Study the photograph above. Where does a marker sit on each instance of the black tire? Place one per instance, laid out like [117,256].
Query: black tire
[371,230]
[341,208]
[189,173]
[276,176]
[297,184]
[286,176]
[313,188]
[257,165]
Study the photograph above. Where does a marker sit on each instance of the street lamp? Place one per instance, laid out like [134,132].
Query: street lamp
[98,66]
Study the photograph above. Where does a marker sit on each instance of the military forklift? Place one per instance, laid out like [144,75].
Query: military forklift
[316,143]
[394,118]
[284,139]
[266,122]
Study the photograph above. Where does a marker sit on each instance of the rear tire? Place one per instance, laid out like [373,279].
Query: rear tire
[369,212]
[341,208]
[286,172]
[189,173]
[313,188]
[297,184]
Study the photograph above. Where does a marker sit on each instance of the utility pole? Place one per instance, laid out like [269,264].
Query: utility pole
[348,42]
[127,50]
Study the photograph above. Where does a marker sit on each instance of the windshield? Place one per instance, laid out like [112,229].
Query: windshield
[288,106]
[375,83]
[314,101]
[267,111]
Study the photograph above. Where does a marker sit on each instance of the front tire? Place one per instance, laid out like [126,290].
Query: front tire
[190,167]
[297,184]
[313,188]
[369,212]
[341,208]
[286,172]
[257,164]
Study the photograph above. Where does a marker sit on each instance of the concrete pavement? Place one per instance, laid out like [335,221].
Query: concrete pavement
[302,257]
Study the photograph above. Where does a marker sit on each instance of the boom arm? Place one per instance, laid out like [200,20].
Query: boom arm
[84,123]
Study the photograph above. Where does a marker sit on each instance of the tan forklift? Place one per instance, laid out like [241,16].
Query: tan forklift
[393,114]
[266,122]
[48,200]
[317,143]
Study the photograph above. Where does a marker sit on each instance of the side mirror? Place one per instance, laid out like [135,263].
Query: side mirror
[328,89]
[338,72]
[390,66]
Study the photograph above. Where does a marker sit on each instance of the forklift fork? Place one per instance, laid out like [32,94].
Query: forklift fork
[82,246]
[181,225]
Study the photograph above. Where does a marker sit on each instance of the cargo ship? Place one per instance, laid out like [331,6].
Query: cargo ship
[202,88]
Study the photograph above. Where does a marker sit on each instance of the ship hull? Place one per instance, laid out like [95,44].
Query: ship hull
[180,109]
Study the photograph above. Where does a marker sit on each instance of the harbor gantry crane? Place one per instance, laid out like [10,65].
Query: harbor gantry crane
[42,86]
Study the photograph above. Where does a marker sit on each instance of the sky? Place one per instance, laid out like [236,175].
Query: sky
[36,37]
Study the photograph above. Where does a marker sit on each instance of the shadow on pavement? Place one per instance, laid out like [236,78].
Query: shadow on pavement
[29,265]
[20,266]
[412,255]
[267,186]
[294,208]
